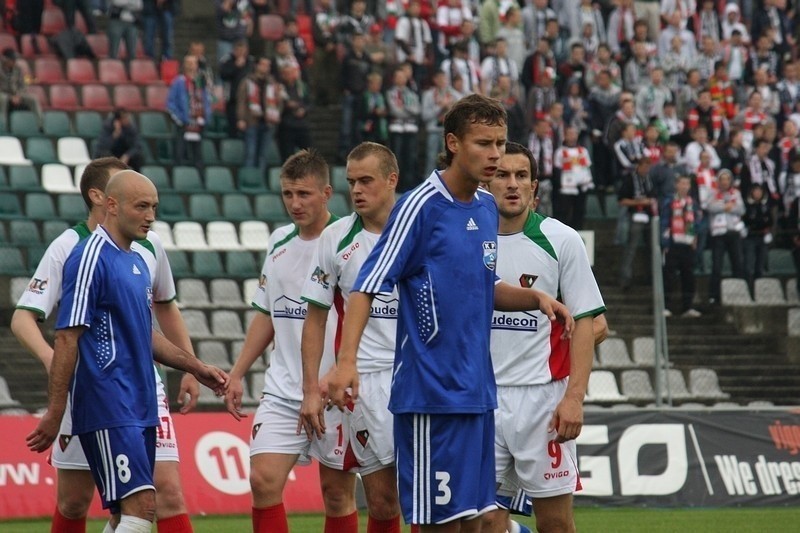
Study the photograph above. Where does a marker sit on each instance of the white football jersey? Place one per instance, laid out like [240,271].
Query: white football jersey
[343,248]
[549,256]
[278,294]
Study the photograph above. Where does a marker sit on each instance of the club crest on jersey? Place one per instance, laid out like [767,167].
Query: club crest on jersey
[490,254]
[321,277]
[256,427]
[38,286]
[362,437]
[527,280]
[63,441]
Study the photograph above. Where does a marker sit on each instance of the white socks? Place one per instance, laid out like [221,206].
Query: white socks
[133,524]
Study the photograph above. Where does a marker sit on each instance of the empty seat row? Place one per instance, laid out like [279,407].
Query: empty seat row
[42,206]
[637,386]
[251,235]
[613,353]
[766,291]
[212,264]
[50,70]
[220,293]
[224,324]
[98,97]
[40,150]
[86,124]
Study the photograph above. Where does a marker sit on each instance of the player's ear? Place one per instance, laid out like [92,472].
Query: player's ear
[452,142]
[97,197]
[393,178]
[327,191]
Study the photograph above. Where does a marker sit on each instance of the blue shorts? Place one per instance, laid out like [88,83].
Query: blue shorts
[121,461]
[519,504]
[445,466]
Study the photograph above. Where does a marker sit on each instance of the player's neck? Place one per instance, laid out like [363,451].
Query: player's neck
[313,230]
[94,220]
[460,186]
[515,224]
[122,242]
[376,222]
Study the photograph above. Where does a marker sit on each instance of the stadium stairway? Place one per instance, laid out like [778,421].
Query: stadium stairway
[26,377]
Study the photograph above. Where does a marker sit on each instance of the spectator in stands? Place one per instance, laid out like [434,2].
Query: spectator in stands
[449,16]
[671,126]
[296,42]
[294,132]
[602,60]
[516,121]
[404,113]
[676,25]
[652,96]
[750,117]
[789,183]
[761,169]
[707,57]
[788,89]
[649,11]
[540,143]
[497,64]
[159,14]
[326,64]
[620,28]
[555,116]
[573,170]
[678,244]
[722,92]
[380,52]
[69,7]
[371,112]
[488,22]
[13,93]
[705,114]
[603,103]
[469,38]
[123,16]
[732,22]
[640,36]
[541,97]
[688,94]
[706,22]
[436,102]
[535,15]
[120,138]
[356,66]
[27,19]
[764,57]
[189,106]
[580,13]
[574,69]
[284,57]
[536,64]
[414,42]
[577,112]
[637,195]
[628,151]
[758,223]
[772,21]
[637,69]
[651,143]
[233,70]
[511,31]
[725,211]
[733,155]
[204,70]
[357,21]
[664,173]
[700,145]
[459,65]
[676,63]
[259,104]
[233,25]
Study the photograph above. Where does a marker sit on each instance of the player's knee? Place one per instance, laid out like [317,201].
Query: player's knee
[266,484]
[339,498]
[74,505]
[383,504]
[555,523]
[169,498]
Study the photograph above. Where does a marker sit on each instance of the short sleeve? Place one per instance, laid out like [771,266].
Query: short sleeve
[44,290]
[82,286]
[323,276]
[163,282]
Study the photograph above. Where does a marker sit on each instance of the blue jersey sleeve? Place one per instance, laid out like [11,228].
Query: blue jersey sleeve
[82,285]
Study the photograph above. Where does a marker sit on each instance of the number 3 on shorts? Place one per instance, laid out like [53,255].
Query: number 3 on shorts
[123,472]
[443,498]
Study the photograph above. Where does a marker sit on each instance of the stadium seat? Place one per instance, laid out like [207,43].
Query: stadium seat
[603,387]
[251,180]
[34,45]
[155,125]
[179,263]
[124,53]
[636,385]
[780,262]
[208,264]
[3,179]
[11,263]
[271,27]
[759,404]
[71,207]
[171,207]
[73,151]
[793,322]
[164,232]
[23,232]
[57,178]
[88,124]
[613,353]
[337,204]
[144,72]
[56,124]
[158,175]
[219,179]
[40,93]
[593,209]
[236,207]
[225,293]
[735,292]
[40,150]
[241,264]
[249,288]
[232,152]
[112,71]
[47,70]
[128,97]
[187,179]
[791,291]
[98,42]
[254,234]
[78,174]
[52,229]
[23,124]
[40,206]
[214,353]
[204,207]
[18,286]
[193,293]
[3,235]
[10,207]
[221,235]
[196,324]
[269,208]
[274,179]
[189,236]
[11,152]
[226,325]
[704,383]
[53,21]
[155,96]
[64,97]
[81,71]
[8,41]
[768,291]
[5,395]
[24,179]
[339,179]
[168,70]
[644,351]
[96,98]
[672,380]
[208,152]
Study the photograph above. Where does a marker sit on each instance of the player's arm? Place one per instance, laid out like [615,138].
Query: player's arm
[259,334]
[65,356]
[568,417]
[171,355]
[174,329]
[346,375]
[311,348]
[25,328]
[600,329]
[510,298]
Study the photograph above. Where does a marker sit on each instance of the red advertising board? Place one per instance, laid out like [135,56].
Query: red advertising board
[215,468]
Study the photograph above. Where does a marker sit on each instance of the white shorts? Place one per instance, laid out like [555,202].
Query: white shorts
[275,431]
[67,453]
[371,424]
[526,455]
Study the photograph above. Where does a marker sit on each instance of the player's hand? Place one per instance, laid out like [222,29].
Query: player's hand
[555,310]
[191,388]
[345,377]
[567,420]
[40,439]
[312,415]
[233,398]
[213,378]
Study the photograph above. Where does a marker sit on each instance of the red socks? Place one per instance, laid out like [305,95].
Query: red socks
[175,524]
[62,524]
[383,526]
[270,520]
[342,524]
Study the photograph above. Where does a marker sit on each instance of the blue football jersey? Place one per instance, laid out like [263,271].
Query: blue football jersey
[108,291]
[441,255]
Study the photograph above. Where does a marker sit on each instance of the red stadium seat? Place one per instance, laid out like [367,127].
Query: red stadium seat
[48,70]
[64,97]
[34,46]
[169,69]
[129,97]
[139,52]
[156,97]
[53,21]
[144,72]
[81,70]
[112,71]
[40,93]
[7,41]
[96,98]
[271,27]
[99,44]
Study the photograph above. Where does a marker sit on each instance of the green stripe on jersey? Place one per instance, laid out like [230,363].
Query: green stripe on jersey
[533,231]
[358,225]
[147,244]
[296,231]
[316,303]
[82,230]
[593,313]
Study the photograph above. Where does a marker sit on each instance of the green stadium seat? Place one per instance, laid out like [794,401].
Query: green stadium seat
[241,265]
[780,262]
[3,178]
[57,124]
[236,208]
[24,179]
[251,180]
[208,151]
[24,124]
[269,208]
[40,150]
[593,209]
[24,232]
[232,152]
[165,151]
[88,124]
[71,207]
[187,179]
[179,263]
[612,206]
[217,128]
[52,229]
[11,262]
[10,207]
[3,234]
[40,206]
[35,254]
[171,208]
[219,179]
[339,179]
[274,178]
[158,175]
[155,125]
[203,207]
[207,265]
[338,205]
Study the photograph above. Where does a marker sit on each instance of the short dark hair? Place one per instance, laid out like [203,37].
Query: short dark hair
[96,175]
[386,158]
[306,163]
[472,109]
[513,148]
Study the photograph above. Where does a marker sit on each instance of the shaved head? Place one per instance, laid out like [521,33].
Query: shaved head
[123,182]
[131,202]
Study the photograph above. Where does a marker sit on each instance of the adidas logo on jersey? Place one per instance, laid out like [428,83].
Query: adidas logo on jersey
[136,270]
[471,225]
